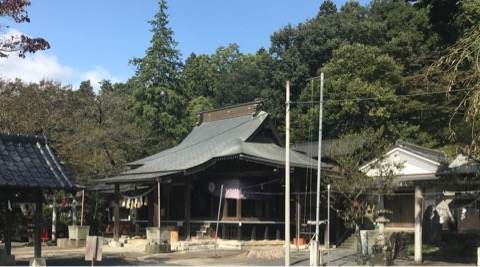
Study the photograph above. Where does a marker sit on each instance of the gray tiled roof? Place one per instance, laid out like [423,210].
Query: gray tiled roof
[210,141]
[331,148]
[28,162]
[434,155]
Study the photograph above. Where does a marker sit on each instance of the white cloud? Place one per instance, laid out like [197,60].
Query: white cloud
[34,68]
[96,75]
[45,66]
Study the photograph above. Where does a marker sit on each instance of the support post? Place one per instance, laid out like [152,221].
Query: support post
[159,207]
[287,176]
[116,213]
[327,243]
[239,210]
[38,226]
[315,254]
[218,218]
[74,209]
[298,209]
[54,218]
[188,202]
[7,223]
[418,224]
[83,204]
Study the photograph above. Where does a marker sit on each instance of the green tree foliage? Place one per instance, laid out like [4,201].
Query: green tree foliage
[380,51]
[95,134]
[357,71]
[158,94]
[460,69]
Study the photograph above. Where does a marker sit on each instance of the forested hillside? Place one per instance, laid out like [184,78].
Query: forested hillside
[388,67]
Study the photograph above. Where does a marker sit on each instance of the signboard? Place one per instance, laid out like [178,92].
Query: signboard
[93,249]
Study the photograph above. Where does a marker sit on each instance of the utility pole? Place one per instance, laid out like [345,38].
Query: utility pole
[287,176]
[327,243]
[314,254]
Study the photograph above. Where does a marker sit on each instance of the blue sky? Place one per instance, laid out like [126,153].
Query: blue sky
[96,39]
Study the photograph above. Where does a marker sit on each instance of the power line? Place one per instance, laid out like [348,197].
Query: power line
[359,99]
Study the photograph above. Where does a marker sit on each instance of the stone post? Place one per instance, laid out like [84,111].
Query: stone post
[418,224]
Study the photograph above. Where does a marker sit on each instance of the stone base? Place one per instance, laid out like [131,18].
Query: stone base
[38,262]
[157,248]
[68,243]
[77,232]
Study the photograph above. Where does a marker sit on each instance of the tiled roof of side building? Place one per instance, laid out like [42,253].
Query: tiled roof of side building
[29,162]
[432,154]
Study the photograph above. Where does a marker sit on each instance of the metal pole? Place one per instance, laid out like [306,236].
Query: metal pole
[159,210]
[287,176]
[319,169]
[328,225]
[218,218]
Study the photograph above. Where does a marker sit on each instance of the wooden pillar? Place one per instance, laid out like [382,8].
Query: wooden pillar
[167,195]
[83,204]
[253,235]
[7,229]
[159,206]
[188,203]
[268,212]
[38,226]
[418,224]
[116,213]
[239,232]
[266,233]
[239,209]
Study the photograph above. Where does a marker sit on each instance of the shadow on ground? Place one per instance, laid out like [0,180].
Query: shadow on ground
[106,261]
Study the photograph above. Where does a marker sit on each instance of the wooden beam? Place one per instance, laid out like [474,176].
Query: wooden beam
[246,173]
[116,213]
[38,226]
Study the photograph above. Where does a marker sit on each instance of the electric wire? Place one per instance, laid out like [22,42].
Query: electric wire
[359,99]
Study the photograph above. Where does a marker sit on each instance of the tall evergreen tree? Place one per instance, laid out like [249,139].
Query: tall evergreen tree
[157,93]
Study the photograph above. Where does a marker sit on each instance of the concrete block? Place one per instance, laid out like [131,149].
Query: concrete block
[77,232]
[157,248]
[155,235]
[76,243]
[38,262]
[62,242]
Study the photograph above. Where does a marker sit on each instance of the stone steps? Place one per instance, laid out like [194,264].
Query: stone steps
[349,243]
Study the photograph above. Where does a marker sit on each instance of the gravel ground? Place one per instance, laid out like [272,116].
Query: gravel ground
[132,254]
